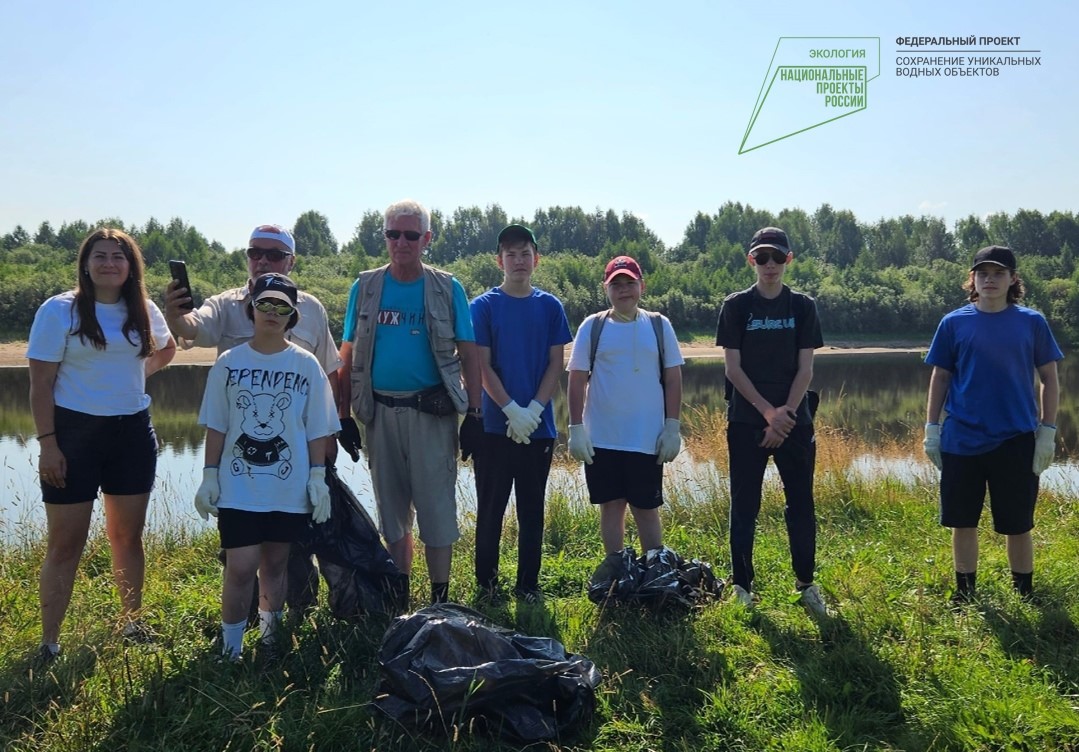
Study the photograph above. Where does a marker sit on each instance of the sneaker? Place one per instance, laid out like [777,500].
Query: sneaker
[44,656]
[743,596]
[138,632]
[610,568]
[813,601]
[529,596]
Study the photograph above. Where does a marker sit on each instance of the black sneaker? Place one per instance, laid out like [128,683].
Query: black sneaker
[138,632]
[44,656]
[529,596]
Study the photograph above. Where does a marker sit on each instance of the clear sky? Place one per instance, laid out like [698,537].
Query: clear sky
[232,114]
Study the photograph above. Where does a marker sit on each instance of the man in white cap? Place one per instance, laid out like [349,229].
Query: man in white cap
[222,322]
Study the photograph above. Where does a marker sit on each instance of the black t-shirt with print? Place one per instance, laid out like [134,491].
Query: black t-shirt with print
[769,334]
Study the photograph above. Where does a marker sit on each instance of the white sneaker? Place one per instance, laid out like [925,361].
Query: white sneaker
[743,596]
[813,601]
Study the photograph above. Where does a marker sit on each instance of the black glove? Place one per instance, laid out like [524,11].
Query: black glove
[471,436]
[349,438]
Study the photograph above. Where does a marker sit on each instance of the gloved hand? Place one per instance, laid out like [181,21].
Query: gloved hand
[1045,439]
[536,409]
[669,442]
[349,438]
[471,436]
[932,443]
[209,493]
[580,445]
[318,493]
[519,422]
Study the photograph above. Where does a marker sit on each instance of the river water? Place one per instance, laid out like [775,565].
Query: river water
[880,398]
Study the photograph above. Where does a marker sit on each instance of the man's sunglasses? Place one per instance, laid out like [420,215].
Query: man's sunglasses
[271,254]
[410,235]
[762,256]
[281,309]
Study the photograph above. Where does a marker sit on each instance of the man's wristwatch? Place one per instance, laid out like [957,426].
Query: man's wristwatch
[475,412]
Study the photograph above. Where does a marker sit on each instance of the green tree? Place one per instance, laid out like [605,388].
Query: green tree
[45,234]
[367,240]
[313,236]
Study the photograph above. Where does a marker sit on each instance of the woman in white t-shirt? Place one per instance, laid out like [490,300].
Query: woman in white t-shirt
[90,352]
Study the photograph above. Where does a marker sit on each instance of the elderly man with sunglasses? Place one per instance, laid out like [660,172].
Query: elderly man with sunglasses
[222,322]
[411,367]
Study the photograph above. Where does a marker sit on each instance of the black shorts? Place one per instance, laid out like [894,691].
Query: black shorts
[239,528]
[116,454]
[1006,471]
[632,476]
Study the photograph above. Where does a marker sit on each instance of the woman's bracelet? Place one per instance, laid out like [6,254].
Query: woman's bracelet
[46,435]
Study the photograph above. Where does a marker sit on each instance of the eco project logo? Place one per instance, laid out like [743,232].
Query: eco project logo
[811,81]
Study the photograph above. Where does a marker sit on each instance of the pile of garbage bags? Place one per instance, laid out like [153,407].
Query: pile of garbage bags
[447,666]
[659,579]
[360,574]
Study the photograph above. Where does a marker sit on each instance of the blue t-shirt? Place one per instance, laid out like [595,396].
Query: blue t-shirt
[520,333]
[402,360]
[992,358]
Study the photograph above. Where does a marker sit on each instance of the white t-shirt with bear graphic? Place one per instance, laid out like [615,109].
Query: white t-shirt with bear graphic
[268,407]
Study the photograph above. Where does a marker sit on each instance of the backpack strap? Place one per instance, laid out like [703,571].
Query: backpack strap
[599,319]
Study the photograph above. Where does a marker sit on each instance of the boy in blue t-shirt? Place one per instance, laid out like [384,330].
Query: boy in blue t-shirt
[520,333]
[983,357]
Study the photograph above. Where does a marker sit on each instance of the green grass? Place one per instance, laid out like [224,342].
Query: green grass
[897,669]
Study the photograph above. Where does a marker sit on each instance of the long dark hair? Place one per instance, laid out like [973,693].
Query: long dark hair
[133,293]
[1016,290]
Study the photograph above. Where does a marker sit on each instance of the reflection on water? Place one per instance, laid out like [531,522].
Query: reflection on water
[880,398]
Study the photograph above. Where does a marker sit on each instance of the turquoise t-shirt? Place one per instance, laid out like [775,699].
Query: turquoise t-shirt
[403,361]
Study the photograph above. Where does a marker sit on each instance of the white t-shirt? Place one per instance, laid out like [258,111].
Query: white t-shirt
[268,407]
[623,406]
[97,382]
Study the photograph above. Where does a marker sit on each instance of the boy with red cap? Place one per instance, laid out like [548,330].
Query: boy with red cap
[624,407]
[994,435]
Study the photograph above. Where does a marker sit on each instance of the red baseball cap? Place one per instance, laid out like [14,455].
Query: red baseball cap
[621,265]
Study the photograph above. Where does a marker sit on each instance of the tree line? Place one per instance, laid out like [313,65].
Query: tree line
[892,278]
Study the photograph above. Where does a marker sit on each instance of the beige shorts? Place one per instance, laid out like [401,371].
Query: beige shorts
[413,461]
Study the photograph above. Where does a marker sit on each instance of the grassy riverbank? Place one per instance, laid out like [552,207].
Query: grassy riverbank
[897,669]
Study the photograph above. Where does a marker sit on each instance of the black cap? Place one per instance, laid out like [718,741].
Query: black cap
[275,286]
[995,254]
[515,234]
[770,237]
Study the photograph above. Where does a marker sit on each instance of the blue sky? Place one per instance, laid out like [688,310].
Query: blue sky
[231,114]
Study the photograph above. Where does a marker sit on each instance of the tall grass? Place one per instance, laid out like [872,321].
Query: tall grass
[896,669]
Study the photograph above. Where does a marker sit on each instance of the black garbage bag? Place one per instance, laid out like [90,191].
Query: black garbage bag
[360,574]
[658,579]
[447,666]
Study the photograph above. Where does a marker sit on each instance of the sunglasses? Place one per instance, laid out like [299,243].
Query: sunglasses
[762,256]
[271,254]
[281,309]
[410,235]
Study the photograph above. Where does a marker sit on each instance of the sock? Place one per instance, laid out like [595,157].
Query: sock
[54,647]
[232,638]
[268,621]
[440,592]
[1023,582]
[964,582]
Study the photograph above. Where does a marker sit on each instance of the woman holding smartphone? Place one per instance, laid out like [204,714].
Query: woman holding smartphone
[90,352]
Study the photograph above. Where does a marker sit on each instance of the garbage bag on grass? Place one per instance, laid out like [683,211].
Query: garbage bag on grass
[360,574]
[447,666]
[659,578]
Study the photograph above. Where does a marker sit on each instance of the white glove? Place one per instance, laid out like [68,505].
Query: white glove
[520,422]
[537,412]
[580,445]
[932,443]
[1045,439]
[209,493]
[318,493]
[669,442]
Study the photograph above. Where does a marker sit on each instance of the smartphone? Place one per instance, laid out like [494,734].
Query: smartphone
[178,269]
